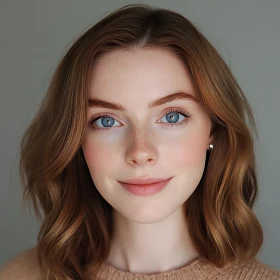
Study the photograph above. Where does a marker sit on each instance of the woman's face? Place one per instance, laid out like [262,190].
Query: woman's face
[133,143]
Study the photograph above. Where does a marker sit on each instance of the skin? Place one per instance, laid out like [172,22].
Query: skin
[150,232]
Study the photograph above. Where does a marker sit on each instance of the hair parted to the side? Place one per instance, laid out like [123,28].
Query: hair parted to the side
[76,228]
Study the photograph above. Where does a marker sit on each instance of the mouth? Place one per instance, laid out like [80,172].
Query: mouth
[145,189]
[143,181]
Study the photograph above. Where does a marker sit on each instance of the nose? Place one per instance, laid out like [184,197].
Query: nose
[141,150]
[140,158]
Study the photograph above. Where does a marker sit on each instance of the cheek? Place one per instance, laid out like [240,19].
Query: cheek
[98,156]
[188,151]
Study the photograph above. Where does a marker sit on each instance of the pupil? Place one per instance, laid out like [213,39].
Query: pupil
[106,121]
[173,117]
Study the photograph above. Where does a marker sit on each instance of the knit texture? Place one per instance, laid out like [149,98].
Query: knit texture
[199,269]
[25,266]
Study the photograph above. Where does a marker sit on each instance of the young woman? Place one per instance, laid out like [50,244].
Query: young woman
[141,159]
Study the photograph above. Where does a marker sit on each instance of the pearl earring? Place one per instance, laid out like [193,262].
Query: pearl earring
[211,146]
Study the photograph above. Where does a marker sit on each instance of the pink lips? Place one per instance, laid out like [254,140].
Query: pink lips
[143,181]
[144,187]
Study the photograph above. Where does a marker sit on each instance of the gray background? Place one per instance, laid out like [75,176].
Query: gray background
[34,36]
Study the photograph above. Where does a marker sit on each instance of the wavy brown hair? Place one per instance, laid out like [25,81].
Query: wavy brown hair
[76,228]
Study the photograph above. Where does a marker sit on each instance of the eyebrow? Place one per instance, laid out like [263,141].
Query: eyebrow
[158,102]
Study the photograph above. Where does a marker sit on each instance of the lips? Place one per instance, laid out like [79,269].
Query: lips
[144,181]
[145,189]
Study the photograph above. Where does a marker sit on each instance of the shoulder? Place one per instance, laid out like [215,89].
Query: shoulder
[22,267]
[252,270]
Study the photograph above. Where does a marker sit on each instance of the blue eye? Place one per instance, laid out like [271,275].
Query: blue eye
[173,116]
[107,121]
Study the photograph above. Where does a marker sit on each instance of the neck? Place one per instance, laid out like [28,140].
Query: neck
[151,247]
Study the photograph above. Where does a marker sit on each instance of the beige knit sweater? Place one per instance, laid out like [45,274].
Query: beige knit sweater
[199,269]
[25,267]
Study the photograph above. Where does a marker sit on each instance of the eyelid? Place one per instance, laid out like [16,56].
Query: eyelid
[100,115]
[168,110]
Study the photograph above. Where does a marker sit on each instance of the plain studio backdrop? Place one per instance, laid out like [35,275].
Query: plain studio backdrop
[34,36]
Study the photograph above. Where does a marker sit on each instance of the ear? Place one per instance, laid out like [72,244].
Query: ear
[210,141]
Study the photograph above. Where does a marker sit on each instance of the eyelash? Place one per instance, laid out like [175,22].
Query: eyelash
[186,114]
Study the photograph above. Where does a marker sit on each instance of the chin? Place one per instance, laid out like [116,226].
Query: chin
[147,212]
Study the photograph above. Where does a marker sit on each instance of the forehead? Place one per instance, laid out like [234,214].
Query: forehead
[139,70]
[125,58]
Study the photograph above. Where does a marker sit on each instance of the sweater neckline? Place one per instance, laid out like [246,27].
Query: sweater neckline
[199,268]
